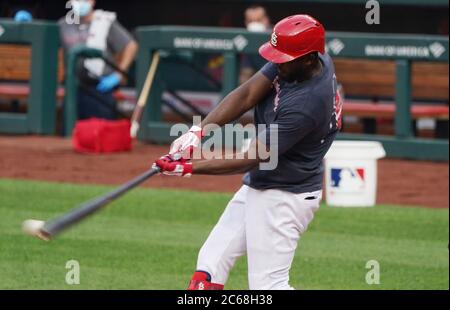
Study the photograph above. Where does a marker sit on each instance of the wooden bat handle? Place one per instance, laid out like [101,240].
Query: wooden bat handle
[135,121]
[137,114]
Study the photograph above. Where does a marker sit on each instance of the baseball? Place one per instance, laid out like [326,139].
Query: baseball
[32,227]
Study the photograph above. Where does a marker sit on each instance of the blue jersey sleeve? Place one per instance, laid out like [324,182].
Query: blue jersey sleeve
[287,130]
[270,71]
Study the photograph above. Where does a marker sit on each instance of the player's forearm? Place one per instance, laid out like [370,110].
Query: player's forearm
[223,166]
[128,55]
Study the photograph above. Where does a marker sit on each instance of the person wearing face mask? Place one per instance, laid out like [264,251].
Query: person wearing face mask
[98,29]
[256,20]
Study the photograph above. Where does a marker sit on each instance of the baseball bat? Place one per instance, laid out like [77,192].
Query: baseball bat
[137,113]
[52,228]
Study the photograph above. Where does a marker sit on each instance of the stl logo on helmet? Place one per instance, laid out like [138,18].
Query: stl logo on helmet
[273,40]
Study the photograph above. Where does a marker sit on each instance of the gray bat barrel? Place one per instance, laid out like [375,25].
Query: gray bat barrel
[55,226]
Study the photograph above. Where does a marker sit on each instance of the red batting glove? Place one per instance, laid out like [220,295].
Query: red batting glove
[168,166]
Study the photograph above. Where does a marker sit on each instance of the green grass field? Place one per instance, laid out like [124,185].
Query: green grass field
[149,239]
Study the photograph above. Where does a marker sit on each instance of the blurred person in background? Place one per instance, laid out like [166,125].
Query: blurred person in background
[256,20]
[98,29]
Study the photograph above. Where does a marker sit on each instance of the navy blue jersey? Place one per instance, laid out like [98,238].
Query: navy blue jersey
[307,116]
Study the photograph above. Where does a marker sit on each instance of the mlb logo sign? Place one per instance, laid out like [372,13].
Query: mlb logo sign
[348,179]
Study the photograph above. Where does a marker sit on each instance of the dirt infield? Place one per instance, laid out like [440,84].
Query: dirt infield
[418,183]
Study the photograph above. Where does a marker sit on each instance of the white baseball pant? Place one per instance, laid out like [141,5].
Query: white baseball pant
[264,224]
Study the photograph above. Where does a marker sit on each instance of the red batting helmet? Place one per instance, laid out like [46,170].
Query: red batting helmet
[293,37]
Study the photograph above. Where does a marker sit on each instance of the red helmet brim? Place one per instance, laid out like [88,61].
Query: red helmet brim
[268,52]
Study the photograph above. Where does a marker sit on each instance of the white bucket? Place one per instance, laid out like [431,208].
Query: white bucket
[351,173]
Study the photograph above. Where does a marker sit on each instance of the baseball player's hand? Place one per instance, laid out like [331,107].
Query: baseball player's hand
[168,166]
[187,142]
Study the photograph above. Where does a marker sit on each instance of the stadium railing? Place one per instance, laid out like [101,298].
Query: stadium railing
[44,39]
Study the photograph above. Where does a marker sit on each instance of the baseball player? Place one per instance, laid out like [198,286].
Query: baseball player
[296,91]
